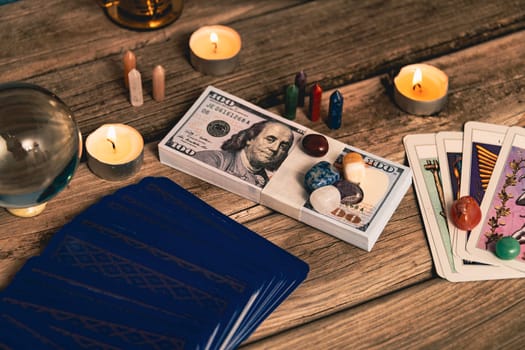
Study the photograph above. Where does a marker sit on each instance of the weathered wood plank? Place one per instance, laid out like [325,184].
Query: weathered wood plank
[431,315]
[365,99]
[342,276]
[347,46]
[399,259]
[38,37]
[372,120]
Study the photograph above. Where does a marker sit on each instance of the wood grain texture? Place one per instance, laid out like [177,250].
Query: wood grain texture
[334,264]
[388,298]
[431,315]
[390,128]
[41,37]
[348,46]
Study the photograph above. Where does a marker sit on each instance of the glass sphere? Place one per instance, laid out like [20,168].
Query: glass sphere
[40,145]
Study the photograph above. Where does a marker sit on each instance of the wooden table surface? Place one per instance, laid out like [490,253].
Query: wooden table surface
[390,297]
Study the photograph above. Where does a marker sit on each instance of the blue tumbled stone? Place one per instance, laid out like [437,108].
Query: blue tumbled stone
[321,174]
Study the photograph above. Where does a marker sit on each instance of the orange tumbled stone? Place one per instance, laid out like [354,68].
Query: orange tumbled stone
[465,213]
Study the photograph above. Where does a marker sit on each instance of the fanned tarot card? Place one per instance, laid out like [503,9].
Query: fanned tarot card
[481,146]
[422,156]
[503,207]
[450,156]
[449,146]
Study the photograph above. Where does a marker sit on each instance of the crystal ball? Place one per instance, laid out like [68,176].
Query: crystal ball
[40,145]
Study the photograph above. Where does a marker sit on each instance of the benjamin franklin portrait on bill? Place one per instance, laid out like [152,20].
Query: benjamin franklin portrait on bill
[253,152]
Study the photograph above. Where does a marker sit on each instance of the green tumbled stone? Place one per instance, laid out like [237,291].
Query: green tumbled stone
[507,248]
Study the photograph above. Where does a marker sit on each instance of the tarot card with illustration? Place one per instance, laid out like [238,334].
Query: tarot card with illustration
[481,146]
[422,156]
[449,146]
[450,155]
[503,206]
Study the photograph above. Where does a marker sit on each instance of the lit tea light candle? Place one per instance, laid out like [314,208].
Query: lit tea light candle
[214,50]
[421,89]
[114,151]
[214,41]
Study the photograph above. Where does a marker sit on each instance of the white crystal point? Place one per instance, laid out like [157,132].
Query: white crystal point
[325,199]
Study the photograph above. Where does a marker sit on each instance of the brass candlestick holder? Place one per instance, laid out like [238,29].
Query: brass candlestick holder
[142,14]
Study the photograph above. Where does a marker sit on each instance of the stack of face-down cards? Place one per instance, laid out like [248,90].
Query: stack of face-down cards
[150,266]
[487,163]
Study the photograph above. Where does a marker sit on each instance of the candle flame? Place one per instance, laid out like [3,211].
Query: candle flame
[417,79]
[111,136]
[214,38]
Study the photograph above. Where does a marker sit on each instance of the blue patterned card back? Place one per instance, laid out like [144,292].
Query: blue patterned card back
[158,263]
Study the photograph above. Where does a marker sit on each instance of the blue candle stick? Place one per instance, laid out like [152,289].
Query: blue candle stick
[335,110]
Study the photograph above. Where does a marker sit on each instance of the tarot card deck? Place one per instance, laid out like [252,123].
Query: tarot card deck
[148,267]
[486,162]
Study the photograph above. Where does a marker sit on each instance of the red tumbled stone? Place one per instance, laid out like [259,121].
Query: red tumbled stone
[315,145]
[465,213]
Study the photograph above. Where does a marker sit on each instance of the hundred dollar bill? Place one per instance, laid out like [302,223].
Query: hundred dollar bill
[252,152]
[222,131]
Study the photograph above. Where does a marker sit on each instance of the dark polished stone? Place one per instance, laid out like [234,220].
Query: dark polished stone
[315,145]
[351,193]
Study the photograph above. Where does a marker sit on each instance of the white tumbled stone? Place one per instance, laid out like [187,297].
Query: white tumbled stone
[325,199]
